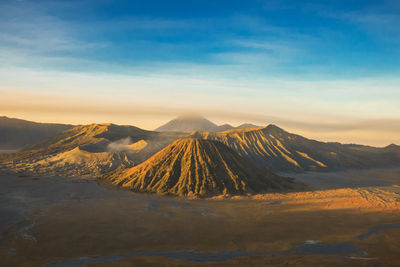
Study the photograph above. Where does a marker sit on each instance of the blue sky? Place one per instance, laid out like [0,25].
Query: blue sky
[301,60]
[340,39]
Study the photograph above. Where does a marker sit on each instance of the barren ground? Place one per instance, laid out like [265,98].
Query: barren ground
[77,222]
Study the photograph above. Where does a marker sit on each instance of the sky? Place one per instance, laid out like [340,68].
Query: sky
[328,70]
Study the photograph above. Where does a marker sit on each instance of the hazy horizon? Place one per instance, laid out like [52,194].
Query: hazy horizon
[330,72]
[333,132]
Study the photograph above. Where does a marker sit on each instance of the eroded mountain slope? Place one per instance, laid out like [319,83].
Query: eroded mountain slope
[88,150]
[202,168]
[276,149]
[75,162]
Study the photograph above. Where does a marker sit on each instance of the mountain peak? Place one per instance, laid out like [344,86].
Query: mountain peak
[247,126]
[187,123]
[392,145]
[273,129]
[202,168]
[190,116]
[193,122]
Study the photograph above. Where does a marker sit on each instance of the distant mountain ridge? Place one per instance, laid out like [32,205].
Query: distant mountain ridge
[93,138]
[268,147]
[74,162]
[88,150]
[200,167]
[17,133]
[190,123]
[272,147]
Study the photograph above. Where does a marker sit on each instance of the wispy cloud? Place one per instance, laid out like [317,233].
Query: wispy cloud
[268,46]
[383,24]
[30,37]
[251,63]
[33,34]
[380,18]
[362,99]
[80,110]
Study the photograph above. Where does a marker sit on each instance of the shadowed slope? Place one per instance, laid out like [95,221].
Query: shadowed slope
[16,133]
[199,167]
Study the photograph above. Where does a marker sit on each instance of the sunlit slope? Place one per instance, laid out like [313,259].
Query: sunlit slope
[269,147]
[75,162]
[276,149]
[199,167]
[98,138]
[81,135]
[91,134]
